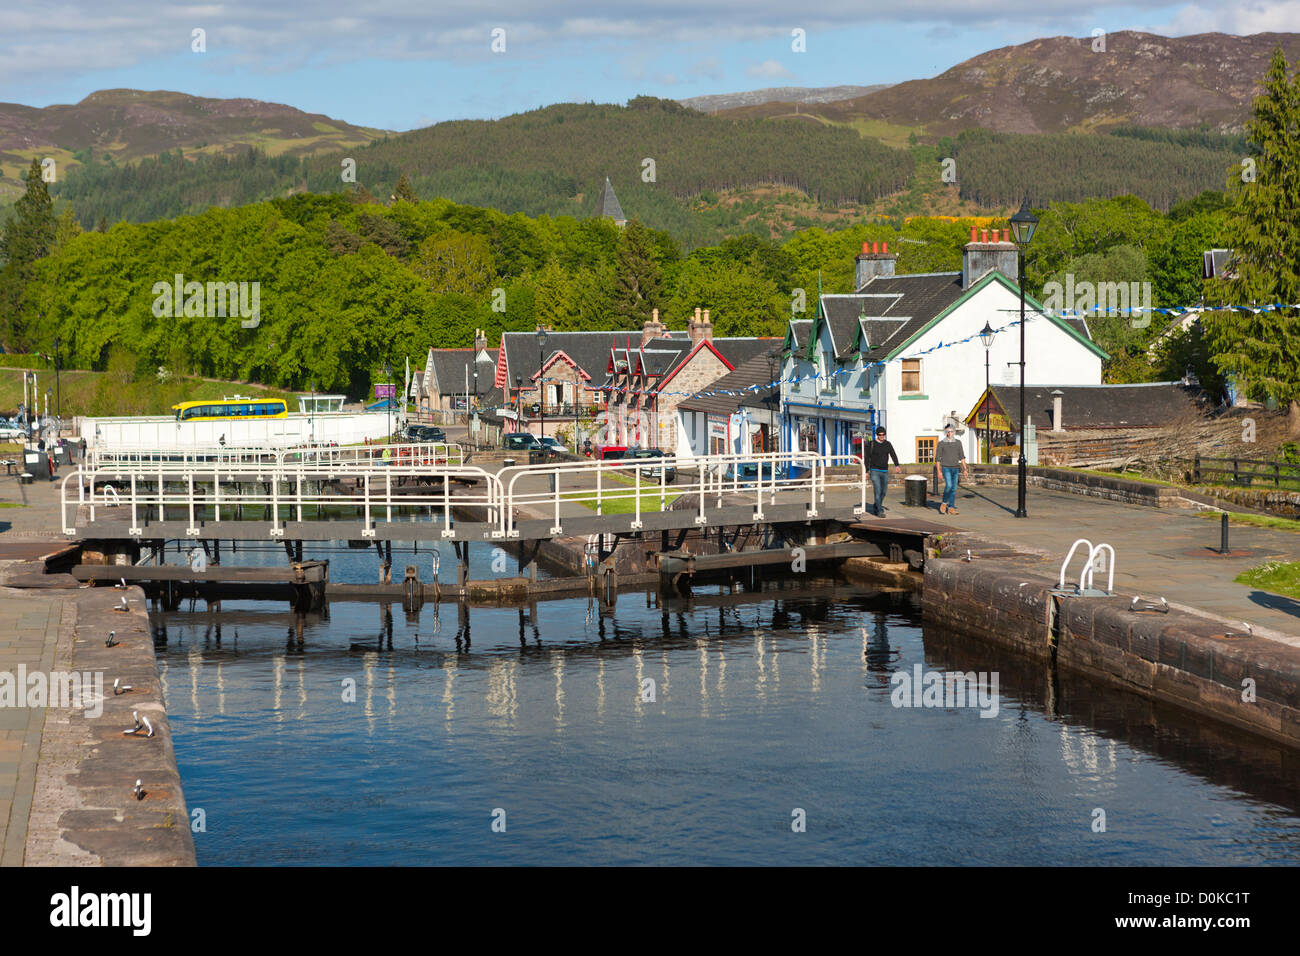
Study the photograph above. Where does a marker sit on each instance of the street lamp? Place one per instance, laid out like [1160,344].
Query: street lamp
[772,430]
[312,419]
[519,402]
[541,381]
[58,400]
[986,336]
[1023,224]
[388,377]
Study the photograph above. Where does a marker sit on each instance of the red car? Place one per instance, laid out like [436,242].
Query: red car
[611,452]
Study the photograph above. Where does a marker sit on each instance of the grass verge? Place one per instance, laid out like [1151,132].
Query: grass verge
[1256,521]
[1276,577]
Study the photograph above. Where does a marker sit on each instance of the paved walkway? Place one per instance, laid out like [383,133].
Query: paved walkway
[1152,548]
[29,632]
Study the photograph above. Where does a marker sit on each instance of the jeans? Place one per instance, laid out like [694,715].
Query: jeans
[950,486]
[879,482]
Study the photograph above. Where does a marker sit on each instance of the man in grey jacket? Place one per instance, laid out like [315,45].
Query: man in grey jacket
[950,456]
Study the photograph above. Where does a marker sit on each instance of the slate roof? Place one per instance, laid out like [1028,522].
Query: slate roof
[895,309]
[589,350]
[449,370]
[1148,405]
[799,330]
[741,349]
[755,371]
[609,205]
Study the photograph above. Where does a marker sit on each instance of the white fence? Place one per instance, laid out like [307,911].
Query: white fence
[211,493]
[164,432]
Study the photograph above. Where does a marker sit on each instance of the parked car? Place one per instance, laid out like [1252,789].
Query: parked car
[521,441]
[12,433]
[553,445]
[425,433]
[612,452]
[652,469]
[746,473]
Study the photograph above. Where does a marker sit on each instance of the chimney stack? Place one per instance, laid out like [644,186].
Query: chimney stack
[652,328]
[706,328]
[987,254]
[874,260]
[1057,395]
[480,340]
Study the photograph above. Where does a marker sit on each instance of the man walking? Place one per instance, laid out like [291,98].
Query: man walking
[951,457]
[878,456]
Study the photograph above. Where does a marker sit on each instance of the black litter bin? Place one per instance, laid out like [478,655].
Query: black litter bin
[37,464]
[914,491]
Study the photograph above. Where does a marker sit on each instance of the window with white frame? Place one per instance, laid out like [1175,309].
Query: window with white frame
[911,376]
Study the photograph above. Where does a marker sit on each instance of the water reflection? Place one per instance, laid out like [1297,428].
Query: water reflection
[690,725]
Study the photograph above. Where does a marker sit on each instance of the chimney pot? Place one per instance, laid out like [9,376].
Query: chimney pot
[984,235]
[884,247]
[865,248]
[972,233]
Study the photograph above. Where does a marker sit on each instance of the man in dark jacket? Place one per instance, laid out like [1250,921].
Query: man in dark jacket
[879,453]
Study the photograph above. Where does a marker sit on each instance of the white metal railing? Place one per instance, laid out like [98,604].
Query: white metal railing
[410,454]
[598,483]
[220,496]
[207,490]
[1095,553]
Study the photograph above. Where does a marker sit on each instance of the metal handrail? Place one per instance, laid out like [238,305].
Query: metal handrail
[142,487]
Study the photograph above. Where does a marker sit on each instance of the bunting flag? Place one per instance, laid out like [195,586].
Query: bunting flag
[832,376]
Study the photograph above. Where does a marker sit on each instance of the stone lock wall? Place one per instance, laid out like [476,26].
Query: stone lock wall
[1177,658]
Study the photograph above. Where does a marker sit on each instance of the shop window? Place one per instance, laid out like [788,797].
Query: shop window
[925,450]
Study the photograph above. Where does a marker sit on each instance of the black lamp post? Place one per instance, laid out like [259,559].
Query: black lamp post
[1023,224]
[312,420]
[388,376]
[541,381]
[772,430]
[476,388]
[519,401]
[58,401]
[986,336]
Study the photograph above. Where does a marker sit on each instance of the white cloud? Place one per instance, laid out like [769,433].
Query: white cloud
[769,70]
[1243,18]
[75,37]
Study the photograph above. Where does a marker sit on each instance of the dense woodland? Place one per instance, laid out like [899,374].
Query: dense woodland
[553,162]
[1160,166]
[347,282]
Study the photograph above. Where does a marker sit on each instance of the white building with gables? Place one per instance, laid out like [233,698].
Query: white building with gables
[904,351]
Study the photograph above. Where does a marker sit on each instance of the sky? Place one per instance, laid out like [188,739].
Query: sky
[398,65]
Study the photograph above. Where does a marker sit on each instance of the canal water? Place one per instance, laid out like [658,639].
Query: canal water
[747,725]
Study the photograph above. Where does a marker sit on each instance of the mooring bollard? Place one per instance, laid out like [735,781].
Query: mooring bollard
[1223,534]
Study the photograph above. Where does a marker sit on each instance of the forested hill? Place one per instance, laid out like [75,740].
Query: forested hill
[118,126]
[660,156]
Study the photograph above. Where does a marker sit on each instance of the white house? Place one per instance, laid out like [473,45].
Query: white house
[905,352]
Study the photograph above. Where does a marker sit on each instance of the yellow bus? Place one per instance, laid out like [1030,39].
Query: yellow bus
[237,407]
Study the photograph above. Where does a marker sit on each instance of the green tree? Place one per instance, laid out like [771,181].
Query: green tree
[458,262]
[28,236]
[638,281]
[403,192]
[1261,351]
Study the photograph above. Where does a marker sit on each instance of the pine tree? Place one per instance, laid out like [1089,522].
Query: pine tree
[28,236]
[638,283]
[1261,351]
[403,192]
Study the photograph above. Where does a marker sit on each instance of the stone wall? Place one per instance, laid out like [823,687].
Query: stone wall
[1178,658]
